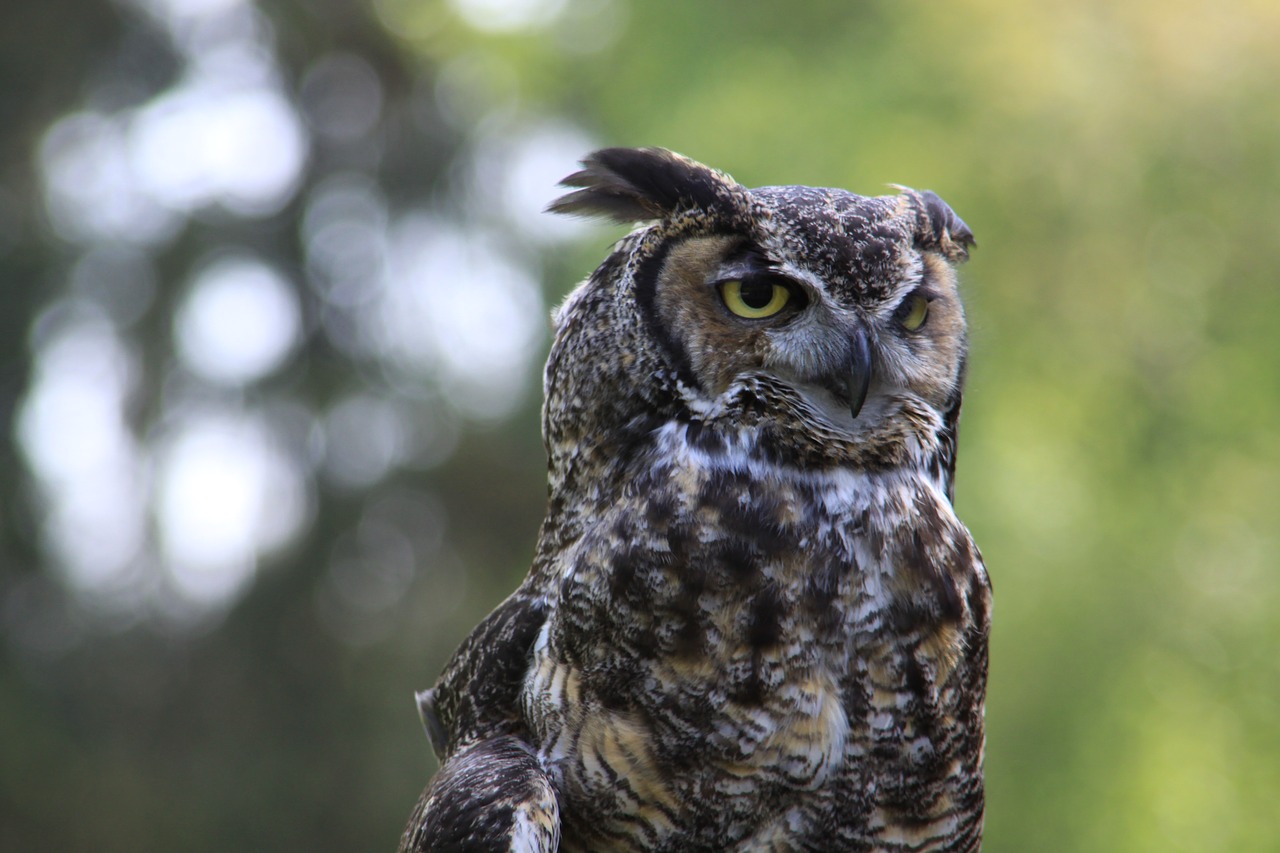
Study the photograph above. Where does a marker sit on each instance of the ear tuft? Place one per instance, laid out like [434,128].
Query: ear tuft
[937,226]
[638,184]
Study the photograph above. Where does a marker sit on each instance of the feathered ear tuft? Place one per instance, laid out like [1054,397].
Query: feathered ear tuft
[937,226]
[638,184]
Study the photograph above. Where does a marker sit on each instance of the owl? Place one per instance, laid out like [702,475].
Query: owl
[753,620]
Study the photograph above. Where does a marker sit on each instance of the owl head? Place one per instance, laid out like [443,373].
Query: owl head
[825,325]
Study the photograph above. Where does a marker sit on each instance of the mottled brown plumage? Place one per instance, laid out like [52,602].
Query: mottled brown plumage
[753,621]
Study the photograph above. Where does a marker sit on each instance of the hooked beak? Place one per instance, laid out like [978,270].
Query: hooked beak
[858,379]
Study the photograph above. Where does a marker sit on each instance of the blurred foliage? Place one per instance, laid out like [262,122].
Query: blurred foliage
[1119,163]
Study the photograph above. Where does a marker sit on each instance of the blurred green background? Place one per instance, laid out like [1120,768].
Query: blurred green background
[273,298]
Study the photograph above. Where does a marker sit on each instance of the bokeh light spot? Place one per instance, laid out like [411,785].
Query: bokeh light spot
[72,430]
[523,166]
[91,192]
[342,96]
[344,233]
[508,15]
[201,144]
[456,302]
[239,323]
[225,494]
[365,436]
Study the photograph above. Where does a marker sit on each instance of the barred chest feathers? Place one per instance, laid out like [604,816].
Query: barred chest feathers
[736,631]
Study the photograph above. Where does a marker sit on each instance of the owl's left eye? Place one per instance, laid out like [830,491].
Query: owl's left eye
[754,298]
[913,311]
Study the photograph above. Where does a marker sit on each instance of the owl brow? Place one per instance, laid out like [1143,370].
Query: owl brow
[747,261]
[924,286]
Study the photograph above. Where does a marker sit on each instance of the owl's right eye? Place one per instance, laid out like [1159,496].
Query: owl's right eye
[754,298]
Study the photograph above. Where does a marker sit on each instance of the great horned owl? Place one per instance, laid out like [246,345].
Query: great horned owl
[754,621]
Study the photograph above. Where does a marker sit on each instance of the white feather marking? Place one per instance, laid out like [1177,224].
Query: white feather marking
[537,828]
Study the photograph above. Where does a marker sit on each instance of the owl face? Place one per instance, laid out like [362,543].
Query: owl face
[816,309]
[733,311]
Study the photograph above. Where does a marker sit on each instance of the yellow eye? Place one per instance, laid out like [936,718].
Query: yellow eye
[754,299]
[913,312]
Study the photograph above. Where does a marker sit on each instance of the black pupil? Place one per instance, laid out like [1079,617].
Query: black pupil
[756,294]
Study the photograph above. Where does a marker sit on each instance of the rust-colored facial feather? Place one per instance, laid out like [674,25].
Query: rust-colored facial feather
[718,345]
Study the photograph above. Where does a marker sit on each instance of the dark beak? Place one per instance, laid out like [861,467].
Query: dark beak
[858,378]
